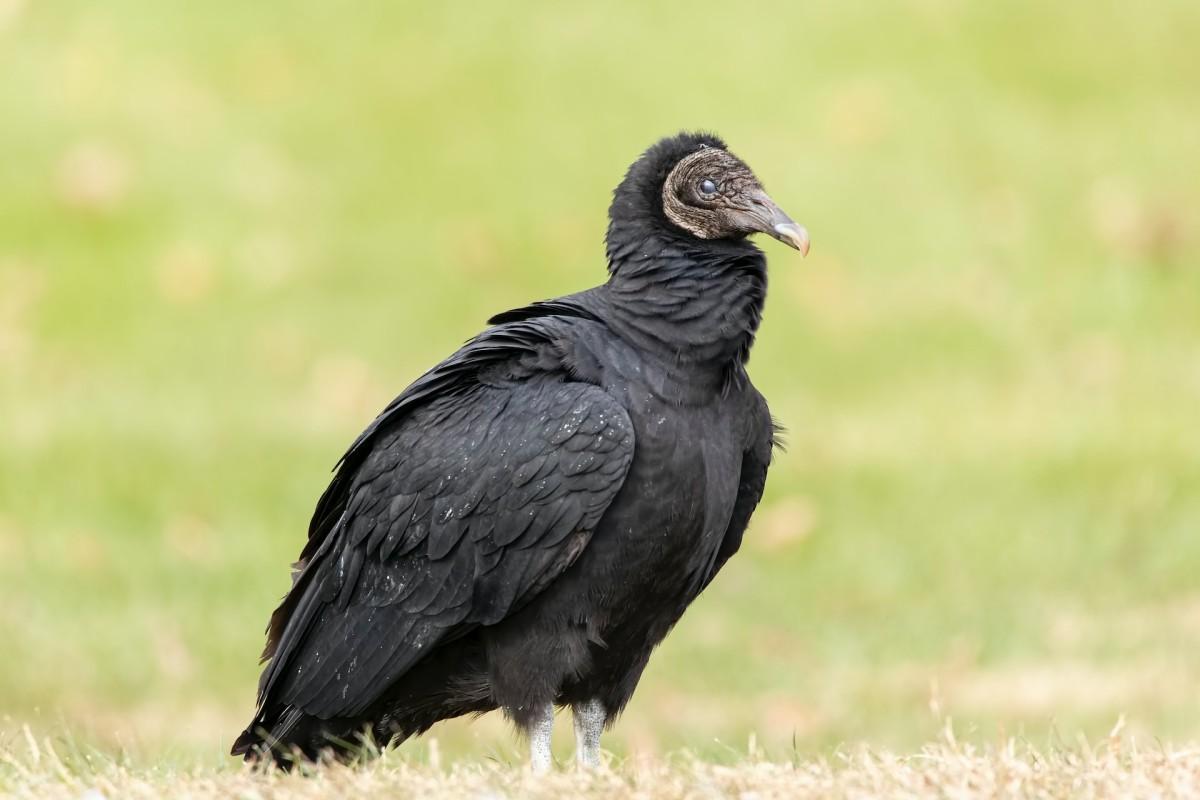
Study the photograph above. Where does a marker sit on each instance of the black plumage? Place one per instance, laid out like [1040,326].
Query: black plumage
[524,523]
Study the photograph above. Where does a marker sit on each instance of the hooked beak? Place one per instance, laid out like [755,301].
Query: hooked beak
[770,219]
[793,235]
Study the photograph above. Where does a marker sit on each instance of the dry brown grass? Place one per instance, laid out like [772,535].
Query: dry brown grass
[1117,767]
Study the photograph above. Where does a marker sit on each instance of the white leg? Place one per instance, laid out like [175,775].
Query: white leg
[589,724]
[539,739]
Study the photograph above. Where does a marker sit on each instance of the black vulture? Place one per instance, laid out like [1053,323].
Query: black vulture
[525,523]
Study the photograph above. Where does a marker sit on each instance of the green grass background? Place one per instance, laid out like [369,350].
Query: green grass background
[230,232]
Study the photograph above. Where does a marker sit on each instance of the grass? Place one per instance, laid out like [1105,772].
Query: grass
[1116,767]
[231,234]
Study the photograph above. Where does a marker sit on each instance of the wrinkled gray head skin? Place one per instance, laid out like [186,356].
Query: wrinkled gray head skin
[713,195]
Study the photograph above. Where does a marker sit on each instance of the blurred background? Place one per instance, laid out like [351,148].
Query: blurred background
[231,232]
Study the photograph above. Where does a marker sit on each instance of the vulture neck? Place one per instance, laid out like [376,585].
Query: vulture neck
[695,304]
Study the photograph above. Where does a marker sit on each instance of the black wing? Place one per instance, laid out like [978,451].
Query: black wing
[473,491]
[756,459]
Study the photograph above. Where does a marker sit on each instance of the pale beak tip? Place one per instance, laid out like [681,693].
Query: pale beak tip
[793,235]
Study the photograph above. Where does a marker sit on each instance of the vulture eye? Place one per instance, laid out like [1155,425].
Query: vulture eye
[707,186]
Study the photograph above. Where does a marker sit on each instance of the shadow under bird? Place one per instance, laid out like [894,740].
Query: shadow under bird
[523,525]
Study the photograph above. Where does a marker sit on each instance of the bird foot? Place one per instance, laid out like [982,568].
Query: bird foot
[540,732]
[589,724]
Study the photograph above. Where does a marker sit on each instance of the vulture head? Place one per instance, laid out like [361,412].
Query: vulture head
[694,186]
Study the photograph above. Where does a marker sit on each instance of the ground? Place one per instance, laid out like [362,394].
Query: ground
[1115,767]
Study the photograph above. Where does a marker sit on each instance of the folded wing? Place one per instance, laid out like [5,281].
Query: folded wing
[453,513]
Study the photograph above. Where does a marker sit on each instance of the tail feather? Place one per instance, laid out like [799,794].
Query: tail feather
[297,736]
[450,682]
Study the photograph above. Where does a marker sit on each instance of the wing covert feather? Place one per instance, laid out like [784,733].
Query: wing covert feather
[458,515]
